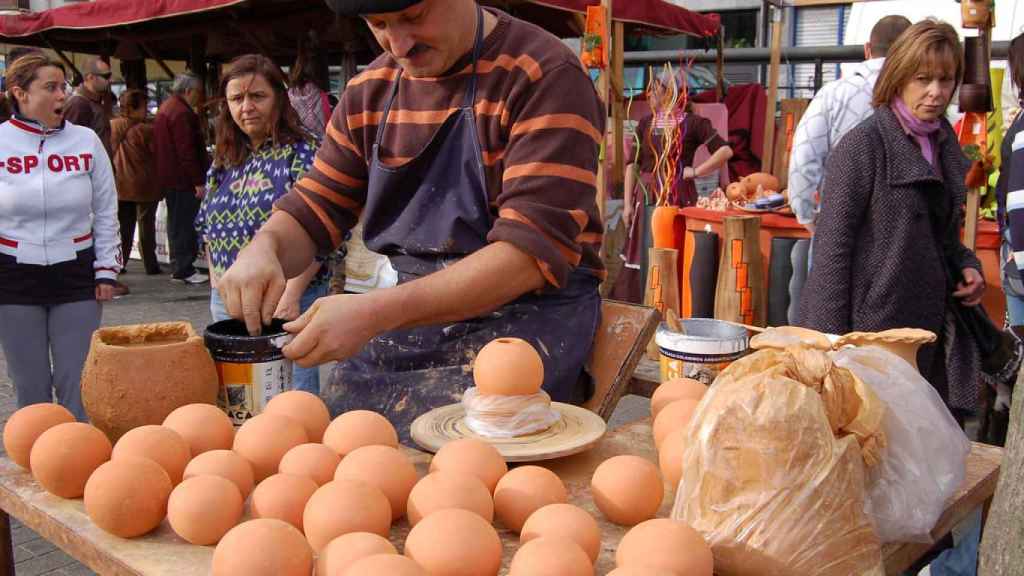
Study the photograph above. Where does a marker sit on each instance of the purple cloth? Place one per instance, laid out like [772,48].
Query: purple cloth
[921,130]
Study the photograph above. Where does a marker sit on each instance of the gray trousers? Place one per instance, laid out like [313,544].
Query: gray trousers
[32,335]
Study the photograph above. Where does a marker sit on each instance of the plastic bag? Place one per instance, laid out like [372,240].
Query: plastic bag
[495,416]
[774,474]
[925,459]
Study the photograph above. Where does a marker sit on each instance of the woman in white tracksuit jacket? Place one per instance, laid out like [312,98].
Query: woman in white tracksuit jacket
[59,243]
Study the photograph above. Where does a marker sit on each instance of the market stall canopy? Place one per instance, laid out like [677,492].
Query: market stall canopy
[222,29]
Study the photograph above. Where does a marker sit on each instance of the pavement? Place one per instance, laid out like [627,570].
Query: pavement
[156,299]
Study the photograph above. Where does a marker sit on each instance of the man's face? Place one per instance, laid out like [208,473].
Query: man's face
[99,79]
[426,38]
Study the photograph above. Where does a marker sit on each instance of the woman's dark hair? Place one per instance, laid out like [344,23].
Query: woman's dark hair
[131,100]
[232,145]
[1015,57]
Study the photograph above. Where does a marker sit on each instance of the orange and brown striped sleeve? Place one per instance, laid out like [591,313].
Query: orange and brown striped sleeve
[328,199]
[547,206]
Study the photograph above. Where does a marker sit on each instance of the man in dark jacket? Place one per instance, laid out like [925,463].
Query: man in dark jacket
[181,164]
[86,107]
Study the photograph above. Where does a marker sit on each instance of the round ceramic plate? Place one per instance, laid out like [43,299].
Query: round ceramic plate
[578,430]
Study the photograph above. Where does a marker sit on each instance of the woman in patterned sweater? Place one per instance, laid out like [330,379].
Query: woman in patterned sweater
[261,151]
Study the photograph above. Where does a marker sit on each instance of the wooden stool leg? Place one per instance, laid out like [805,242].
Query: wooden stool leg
[6,546]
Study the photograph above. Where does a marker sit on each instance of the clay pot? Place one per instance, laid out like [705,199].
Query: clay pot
[137,375]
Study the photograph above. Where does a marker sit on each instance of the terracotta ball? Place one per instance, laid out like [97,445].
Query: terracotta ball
[359,428]
[455,542]
[627,489]
[264,439]
[523,491]
[442,490]
[385,468]
[508,367]
[63,457]
[283,496]
[670,457]
[471,456]
[226,464]
[664,544]
[127,497]
[263,547]
[344,506]
[25,426]
[347,549]
[203,508]
[551,557]
[204,426]
[158,443]
[564,521]
[304,407]
[389,564]
[673,417]
[315,461]
[676,389]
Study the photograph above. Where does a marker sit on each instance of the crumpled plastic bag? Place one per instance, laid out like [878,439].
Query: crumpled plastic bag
[494,416]
[925,459]
[774,475]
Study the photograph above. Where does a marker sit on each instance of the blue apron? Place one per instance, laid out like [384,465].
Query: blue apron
[425,215]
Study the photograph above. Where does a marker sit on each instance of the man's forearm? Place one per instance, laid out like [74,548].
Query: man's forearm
[479,283]
[284,236]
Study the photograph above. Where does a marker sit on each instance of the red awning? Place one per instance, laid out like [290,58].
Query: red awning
[656,14]
[103,14]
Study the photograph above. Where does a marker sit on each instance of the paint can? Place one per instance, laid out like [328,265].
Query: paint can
[251,369]
[701,350]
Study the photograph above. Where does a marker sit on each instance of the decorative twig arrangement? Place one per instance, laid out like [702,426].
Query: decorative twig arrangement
[667,100]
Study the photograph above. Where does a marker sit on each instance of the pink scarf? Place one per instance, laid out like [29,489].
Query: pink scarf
[921,130]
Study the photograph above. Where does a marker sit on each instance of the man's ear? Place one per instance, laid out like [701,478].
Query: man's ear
[867,51]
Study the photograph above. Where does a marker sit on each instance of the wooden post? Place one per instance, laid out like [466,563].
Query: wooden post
[618,111]
[662,291]
[603,91]
[720,67]
[773,89]
[740,292]
[1002,542]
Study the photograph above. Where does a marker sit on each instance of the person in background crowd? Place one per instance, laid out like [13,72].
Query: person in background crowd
[887,245]
[131,138]
[261,152]
[309,100]
[59,244]
[834,111]
[181,164]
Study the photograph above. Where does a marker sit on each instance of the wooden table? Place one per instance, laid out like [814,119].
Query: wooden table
[65,523]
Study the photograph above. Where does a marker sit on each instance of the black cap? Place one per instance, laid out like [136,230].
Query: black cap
[358,7]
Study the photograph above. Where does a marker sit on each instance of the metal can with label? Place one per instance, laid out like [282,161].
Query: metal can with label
[251,369]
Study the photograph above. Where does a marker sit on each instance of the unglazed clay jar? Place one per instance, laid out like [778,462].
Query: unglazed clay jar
[226,464]
[304,407]
[525,490]
[282,496]
[674,416]
[676,389]
[204,426]
[137,375]
[441,490]
[263,547]
[389,564]
[264,439]
[25,426]
[64,457]
[158,443]
[347,549]
[359,428]
[344,506]
[564,521]
[471,456]
[508,367]
[315,461]
[627,489]
[663,544]
[385,468]
[203,508]
[455,542]
[551,557]
[128,496]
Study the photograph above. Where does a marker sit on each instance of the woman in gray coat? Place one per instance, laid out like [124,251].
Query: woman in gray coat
[887,252]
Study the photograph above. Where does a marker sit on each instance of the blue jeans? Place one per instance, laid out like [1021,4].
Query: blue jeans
[307,379]
[962,559]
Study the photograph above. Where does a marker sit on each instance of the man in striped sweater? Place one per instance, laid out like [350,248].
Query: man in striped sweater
[469,151]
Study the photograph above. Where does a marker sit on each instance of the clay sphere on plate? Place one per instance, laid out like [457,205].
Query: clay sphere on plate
[359,428]
[525,490]
[204,426]
[303,407]
[344,506]
[384,467]
[627,489]
[263,547]
[673,417]
[283,496]
[389,564]
[471,456]
[127,497]
[564,521]
[63,457]
[315,461]
[663,544]
[676,389]
[508,367]
[551,557]
[347,549]
[642,571]
[158,443]
[442,490]
[264,439]
[25,425]
[203,508]
[226,464]
[455,542]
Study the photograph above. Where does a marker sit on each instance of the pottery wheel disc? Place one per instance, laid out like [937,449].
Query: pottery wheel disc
[577,430]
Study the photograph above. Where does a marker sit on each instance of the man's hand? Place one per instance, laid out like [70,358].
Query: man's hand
[334,328]
[200,192]
[972,288]
[253,285]
[104,292]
